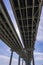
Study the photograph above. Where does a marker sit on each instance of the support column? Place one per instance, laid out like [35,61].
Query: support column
[28,63]
[11,57]
[33,61]
[19,61]
[22,61]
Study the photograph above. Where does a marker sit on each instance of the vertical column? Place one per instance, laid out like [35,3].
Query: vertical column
[19,61]
[33,61]
[11,57]
[28,63]
[22,61]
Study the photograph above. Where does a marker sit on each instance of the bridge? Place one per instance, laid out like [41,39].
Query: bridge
[27,14]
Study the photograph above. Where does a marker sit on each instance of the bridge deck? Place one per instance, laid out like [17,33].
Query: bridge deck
[27,15]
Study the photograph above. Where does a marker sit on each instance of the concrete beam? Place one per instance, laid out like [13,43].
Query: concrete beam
[9,22]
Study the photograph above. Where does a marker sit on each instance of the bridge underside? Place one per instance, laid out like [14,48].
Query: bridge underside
[27,15]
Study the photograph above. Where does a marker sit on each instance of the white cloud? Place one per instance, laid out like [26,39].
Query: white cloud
[8,50]
[38,56]
[5,50]
[4,57]
[38,53]
[4,60]
[7,58]
[40,28]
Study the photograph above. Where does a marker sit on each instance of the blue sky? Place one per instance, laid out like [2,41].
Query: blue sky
[38,52]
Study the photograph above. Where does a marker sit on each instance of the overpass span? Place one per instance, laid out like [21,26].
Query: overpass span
[27,15]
